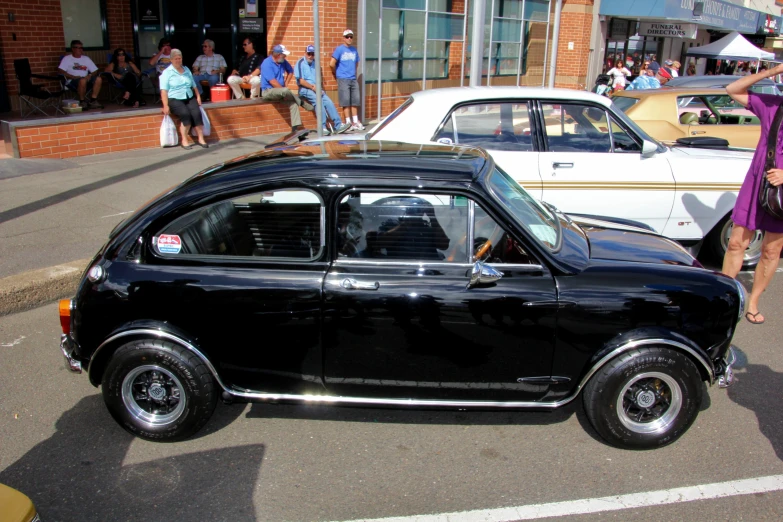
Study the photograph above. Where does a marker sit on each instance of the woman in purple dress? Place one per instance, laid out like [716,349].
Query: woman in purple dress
[748,216]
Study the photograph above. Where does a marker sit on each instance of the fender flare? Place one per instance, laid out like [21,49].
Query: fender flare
[144,330]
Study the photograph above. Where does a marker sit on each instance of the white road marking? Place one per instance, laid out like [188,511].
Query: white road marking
[598,505]
[120,214]
[13,343]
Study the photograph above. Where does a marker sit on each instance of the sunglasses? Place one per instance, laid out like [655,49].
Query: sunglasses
[348,36]
[310,54]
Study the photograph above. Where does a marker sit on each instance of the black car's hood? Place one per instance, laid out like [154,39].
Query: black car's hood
[611,241]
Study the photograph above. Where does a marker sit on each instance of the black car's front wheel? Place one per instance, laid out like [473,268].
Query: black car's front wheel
[644,399]
[158,390]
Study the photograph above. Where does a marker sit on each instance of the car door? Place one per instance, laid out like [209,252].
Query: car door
[401,320]
[722,117]
[243,277]
[593,165]
[504,129]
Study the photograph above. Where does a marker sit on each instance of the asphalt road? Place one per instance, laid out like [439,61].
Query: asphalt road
[281,462]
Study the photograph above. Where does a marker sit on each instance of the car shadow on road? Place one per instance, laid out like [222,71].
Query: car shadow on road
[79,473]
[759,388]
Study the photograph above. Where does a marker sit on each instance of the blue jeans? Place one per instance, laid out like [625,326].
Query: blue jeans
[329,110]
[211,78]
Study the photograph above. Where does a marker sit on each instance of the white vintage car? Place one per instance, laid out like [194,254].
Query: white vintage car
[575,150]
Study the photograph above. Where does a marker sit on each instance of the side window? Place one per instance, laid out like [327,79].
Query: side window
[402,227]
[492,244]
[576,128]
[279,224]
[621,140]
[493,126]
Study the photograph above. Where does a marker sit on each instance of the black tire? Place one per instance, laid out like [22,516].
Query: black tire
[718,239]
[158,390]
[658,390]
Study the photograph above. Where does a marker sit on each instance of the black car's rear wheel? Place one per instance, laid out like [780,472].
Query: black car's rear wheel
[645,398]
[158,390]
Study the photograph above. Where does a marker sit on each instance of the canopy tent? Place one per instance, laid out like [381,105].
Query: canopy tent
[733,46]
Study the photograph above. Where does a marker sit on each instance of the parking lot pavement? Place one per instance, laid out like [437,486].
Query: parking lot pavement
[287,462]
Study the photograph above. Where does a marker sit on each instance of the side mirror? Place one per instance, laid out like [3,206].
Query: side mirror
[482,274]
[649,149]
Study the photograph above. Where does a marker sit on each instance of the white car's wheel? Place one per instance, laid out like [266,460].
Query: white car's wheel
[718,242]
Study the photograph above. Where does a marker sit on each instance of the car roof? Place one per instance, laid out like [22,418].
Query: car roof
[675,91]
[454,95]
[393,158]
[718,80]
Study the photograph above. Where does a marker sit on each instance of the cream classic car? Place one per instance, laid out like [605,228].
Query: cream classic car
[577,151]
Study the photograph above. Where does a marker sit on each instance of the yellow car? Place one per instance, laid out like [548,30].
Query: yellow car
[669,114]
[16,507]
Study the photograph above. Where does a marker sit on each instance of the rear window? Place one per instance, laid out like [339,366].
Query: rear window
[624,103]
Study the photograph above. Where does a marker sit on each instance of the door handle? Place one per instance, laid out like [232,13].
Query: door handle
[558,165]
[698,132]
[353,284]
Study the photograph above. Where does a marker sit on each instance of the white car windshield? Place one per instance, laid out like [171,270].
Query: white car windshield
[525,209]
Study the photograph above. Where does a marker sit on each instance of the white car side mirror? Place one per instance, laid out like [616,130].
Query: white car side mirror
[649,149]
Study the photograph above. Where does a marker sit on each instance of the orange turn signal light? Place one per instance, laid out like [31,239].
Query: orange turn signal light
[65,315]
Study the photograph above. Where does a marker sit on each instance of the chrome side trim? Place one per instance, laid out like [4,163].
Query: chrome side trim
[164,335]
[338,262]
[333,399]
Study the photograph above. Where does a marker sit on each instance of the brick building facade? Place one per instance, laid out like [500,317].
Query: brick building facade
[36,33]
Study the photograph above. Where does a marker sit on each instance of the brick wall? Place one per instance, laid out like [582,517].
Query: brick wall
[576,21]
[85,138]
[38,27]
[291,24]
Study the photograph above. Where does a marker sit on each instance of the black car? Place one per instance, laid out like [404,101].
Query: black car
[383,274]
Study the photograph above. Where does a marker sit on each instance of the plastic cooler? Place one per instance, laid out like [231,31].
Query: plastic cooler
[220,92]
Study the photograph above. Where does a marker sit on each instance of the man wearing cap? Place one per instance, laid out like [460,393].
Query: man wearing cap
[344,63]
[667,65]
[273,89]
[304,71]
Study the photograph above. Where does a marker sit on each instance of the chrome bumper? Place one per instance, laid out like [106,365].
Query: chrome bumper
[66,346]
[727,379]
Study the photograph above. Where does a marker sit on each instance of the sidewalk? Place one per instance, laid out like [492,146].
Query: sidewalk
[56,214]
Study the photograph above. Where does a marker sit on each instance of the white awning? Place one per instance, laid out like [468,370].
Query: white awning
[733,46]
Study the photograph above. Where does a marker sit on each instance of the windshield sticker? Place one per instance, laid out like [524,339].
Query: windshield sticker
[169,244]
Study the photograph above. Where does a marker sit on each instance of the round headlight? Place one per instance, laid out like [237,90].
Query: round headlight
[96,274]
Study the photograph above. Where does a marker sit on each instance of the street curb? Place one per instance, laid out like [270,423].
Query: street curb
[30,289]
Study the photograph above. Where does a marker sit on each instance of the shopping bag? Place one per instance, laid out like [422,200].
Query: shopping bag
[205,120]
[168,132]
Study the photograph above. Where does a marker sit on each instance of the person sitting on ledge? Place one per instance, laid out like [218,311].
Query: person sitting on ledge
[209,66]
[248,72]
[273,72]
[81,73]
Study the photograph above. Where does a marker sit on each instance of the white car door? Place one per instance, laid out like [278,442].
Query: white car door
[586,169]
[502,128]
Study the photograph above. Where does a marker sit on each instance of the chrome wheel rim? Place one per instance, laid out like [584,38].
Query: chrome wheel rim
[649,403]
[753,253]
[153,395]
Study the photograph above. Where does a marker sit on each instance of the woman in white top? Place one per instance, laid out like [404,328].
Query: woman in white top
[618,73]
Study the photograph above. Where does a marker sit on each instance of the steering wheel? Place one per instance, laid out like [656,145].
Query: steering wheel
[713,110]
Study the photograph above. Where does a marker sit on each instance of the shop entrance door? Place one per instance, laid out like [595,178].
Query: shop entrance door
[187,26]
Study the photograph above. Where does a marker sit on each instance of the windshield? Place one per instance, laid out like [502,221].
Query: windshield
[624,102]
[620,115]
[390,117]
[525,209]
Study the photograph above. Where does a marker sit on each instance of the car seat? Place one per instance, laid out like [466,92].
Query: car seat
[689,118]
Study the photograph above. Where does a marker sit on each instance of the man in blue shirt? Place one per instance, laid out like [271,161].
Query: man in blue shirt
[304,71]
[273,71]
[344,63]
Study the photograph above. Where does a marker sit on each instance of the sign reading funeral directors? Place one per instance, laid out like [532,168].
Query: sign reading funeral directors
[666,30]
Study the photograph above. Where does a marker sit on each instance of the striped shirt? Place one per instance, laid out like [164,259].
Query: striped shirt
[209,64]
